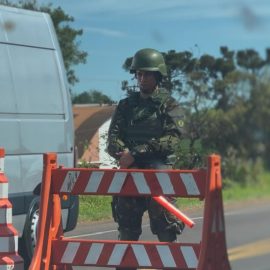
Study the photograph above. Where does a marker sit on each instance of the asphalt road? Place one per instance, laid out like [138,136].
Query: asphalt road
[247,234]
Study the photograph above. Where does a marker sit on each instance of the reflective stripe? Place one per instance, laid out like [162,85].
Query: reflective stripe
[221,222]
[11,266]
[9,244]
[69,181]
[5,215]
[70,252]
[3,190]
[94,181]
[140,182]
[117,182]
[94,253]
[189,256]
[12,263]
[190,183]
[165,183]
[214,225]
[117,254]
[141,255]
[166,256]
[218,223]
[8,266]
[2,163]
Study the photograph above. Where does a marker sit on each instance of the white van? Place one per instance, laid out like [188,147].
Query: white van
[35,114]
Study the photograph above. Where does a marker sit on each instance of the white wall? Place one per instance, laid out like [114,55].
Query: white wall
[105,159]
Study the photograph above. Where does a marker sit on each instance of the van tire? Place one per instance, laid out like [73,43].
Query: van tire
[29,236]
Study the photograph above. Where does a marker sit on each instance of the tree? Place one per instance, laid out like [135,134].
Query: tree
[258,129]
[91,97]
[67,36]
[226,99]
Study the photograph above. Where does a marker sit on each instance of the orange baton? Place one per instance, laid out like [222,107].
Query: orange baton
[171,208]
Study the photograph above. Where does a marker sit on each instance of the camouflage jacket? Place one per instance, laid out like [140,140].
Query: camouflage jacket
[150,128]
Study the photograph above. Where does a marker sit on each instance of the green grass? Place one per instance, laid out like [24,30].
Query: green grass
[258,190]
[93,208]
[96,208]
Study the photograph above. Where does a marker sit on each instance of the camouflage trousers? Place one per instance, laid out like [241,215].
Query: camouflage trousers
[128,213]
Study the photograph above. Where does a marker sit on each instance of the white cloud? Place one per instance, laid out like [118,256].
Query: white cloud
[180,9]
[105,32]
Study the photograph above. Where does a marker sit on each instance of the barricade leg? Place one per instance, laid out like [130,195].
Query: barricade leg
[213,254]
[49,220]
[9,257]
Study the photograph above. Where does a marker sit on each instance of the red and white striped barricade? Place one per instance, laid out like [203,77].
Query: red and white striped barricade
[54,251]
[9,257]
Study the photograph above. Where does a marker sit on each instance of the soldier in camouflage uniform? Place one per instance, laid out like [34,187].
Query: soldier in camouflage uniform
[144,131]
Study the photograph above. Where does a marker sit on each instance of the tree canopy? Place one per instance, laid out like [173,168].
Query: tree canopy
[90,97]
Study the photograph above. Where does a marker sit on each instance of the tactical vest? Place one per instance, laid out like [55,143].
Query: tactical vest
[144,119]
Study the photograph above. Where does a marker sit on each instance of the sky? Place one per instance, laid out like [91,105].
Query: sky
[115,29]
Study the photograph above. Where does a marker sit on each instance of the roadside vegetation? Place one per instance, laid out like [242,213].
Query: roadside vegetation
[258,190]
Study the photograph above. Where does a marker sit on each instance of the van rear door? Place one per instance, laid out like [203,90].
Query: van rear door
[35,109]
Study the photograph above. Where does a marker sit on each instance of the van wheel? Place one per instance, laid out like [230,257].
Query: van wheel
[29,237]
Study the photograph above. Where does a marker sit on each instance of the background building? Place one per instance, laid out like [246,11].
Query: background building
[91,123]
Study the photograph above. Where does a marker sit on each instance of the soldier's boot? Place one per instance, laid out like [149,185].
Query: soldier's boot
[127,235]
[170,235]
[167,236]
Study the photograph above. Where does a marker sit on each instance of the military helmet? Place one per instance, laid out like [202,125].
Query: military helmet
[148,60]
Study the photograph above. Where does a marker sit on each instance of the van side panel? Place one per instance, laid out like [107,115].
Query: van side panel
[7,103]
[35,105]
[36,81]
[42,120]
[43,117]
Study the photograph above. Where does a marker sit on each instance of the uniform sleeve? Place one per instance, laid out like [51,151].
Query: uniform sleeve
[173,128]
[115,143]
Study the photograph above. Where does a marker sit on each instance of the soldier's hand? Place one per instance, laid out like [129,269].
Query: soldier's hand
[126,159]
